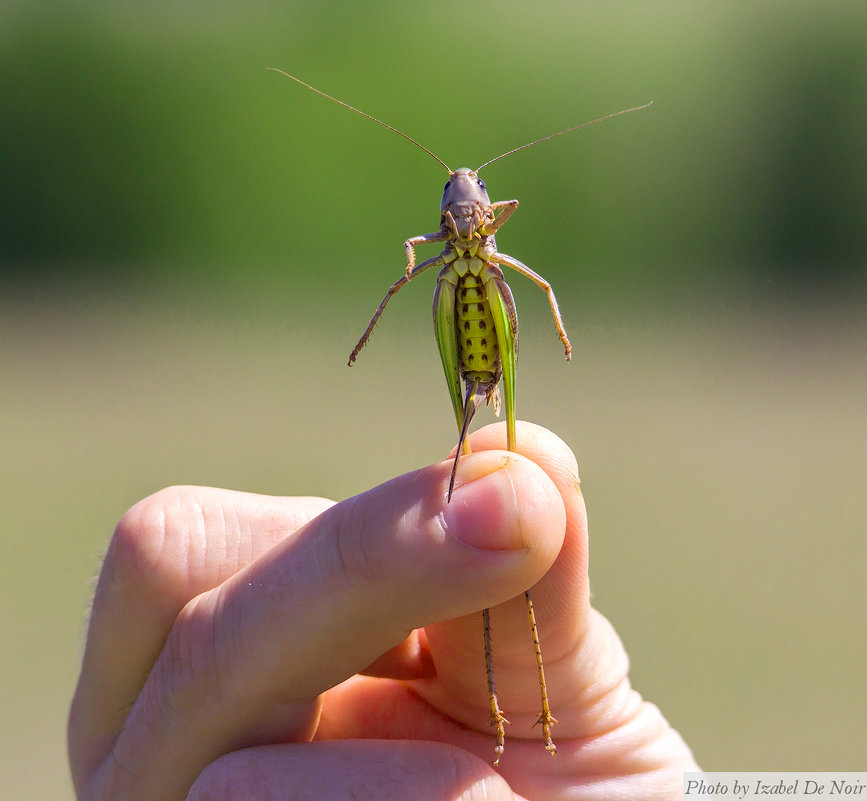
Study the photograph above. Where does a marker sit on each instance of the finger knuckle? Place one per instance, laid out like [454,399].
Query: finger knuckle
[355,554]
[147,540]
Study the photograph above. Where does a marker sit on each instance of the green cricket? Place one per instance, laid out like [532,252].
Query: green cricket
[476,327]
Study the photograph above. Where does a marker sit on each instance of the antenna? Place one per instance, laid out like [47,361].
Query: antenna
[434,155]
[568,130]
[363,114]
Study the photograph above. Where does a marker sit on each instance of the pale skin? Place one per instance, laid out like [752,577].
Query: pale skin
[279,648]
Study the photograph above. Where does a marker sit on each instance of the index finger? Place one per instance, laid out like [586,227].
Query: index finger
[166,550]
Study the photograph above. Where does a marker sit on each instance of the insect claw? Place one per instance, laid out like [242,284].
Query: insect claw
[499,721]
[546,720]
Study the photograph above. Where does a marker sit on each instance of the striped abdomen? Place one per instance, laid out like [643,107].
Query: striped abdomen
[478,352]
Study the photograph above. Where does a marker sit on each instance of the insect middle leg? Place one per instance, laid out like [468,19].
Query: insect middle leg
[424,239]
[436,261]
[523,269]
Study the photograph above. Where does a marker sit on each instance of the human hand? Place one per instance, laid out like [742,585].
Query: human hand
[243,646]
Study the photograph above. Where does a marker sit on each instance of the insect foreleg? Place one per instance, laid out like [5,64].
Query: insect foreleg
[508,207]
[436,261]
[523,269]
[424,239]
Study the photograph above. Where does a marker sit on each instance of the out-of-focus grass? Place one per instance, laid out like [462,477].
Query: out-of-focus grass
[722,450]
[147,132]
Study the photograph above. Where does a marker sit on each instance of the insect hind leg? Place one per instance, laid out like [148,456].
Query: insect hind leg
[471,403]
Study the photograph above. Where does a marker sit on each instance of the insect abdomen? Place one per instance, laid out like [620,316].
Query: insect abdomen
[478,351]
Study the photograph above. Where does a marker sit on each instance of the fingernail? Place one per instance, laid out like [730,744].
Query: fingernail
[483,512]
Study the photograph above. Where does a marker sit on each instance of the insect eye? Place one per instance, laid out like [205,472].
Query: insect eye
[448,184]
[481,183]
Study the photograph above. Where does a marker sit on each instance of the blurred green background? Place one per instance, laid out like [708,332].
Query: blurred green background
[190,246]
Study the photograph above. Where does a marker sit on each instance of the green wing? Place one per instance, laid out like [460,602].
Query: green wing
[447,337]
[506,322]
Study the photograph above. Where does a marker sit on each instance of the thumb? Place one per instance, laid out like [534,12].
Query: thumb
[399,556]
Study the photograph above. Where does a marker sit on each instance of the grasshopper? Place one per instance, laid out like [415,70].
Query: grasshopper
[476,326]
